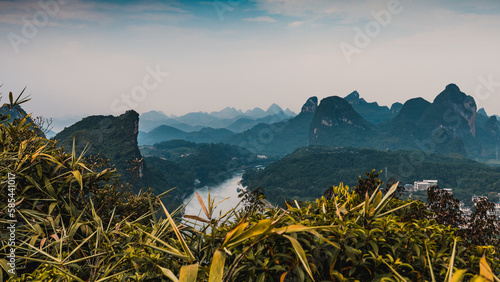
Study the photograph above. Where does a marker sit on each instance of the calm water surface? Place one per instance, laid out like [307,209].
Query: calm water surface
[224,190]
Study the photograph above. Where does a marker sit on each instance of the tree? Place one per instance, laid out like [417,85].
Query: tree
[445,208]
[483,226]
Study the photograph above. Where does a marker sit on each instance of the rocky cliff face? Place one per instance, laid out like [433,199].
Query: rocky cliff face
[114,138]
[452,110]
[335,121]
[492,126]
[310,106]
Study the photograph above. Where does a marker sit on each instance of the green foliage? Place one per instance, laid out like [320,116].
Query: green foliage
[482,227]
[74,223]
[304,174]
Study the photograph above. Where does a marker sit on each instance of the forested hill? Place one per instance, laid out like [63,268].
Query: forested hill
[308,172]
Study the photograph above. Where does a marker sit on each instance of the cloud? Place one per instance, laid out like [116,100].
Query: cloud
[296,24]
[266,19]
[12,13]
[359,11]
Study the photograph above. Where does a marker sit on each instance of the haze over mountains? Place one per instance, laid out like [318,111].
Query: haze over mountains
[450,125]
[205,127]
[227,117]
[200,146]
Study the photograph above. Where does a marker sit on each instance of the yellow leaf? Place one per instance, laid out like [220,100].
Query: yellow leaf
[183,244]
[188,273]
[485,270]
[282,278]
[260,228]
[167,272]
[78,177]
[217,267]
[235,231]
[458,276]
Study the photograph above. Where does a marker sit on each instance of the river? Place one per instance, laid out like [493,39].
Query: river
[224,190]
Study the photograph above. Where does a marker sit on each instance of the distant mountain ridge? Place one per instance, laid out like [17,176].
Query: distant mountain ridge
[225,118]
[450,125]
[372,112]
[278,137]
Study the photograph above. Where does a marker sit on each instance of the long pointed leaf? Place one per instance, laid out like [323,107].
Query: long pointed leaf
[217,267]
[184,246]
[301,254]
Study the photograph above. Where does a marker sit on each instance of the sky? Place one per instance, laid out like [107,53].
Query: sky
[105,57]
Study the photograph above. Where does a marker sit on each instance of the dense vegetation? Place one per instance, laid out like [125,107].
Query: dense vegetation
[73,222]
[167,133]
[305,173]
[209,163]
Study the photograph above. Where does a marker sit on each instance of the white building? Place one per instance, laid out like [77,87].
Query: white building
[424,185]
[497,210]
[448,190]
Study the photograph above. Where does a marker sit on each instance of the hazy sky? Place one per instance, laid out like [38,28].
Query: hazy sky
[103,57]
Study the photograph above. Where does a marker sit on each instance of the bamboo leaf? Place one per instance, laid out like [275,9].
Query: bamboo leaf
[429,260]
[301,254]
[188,273]
[167,272]
[485,270]
[78,177]
[260,228]
[235,231]
[184,246]
[80,245]
[217,267]
[459,275]
[202,204]
[394,270]
[196,218]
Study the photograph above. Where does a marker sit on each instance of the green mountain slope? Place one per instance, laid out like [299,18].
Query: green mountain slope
[308,172]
